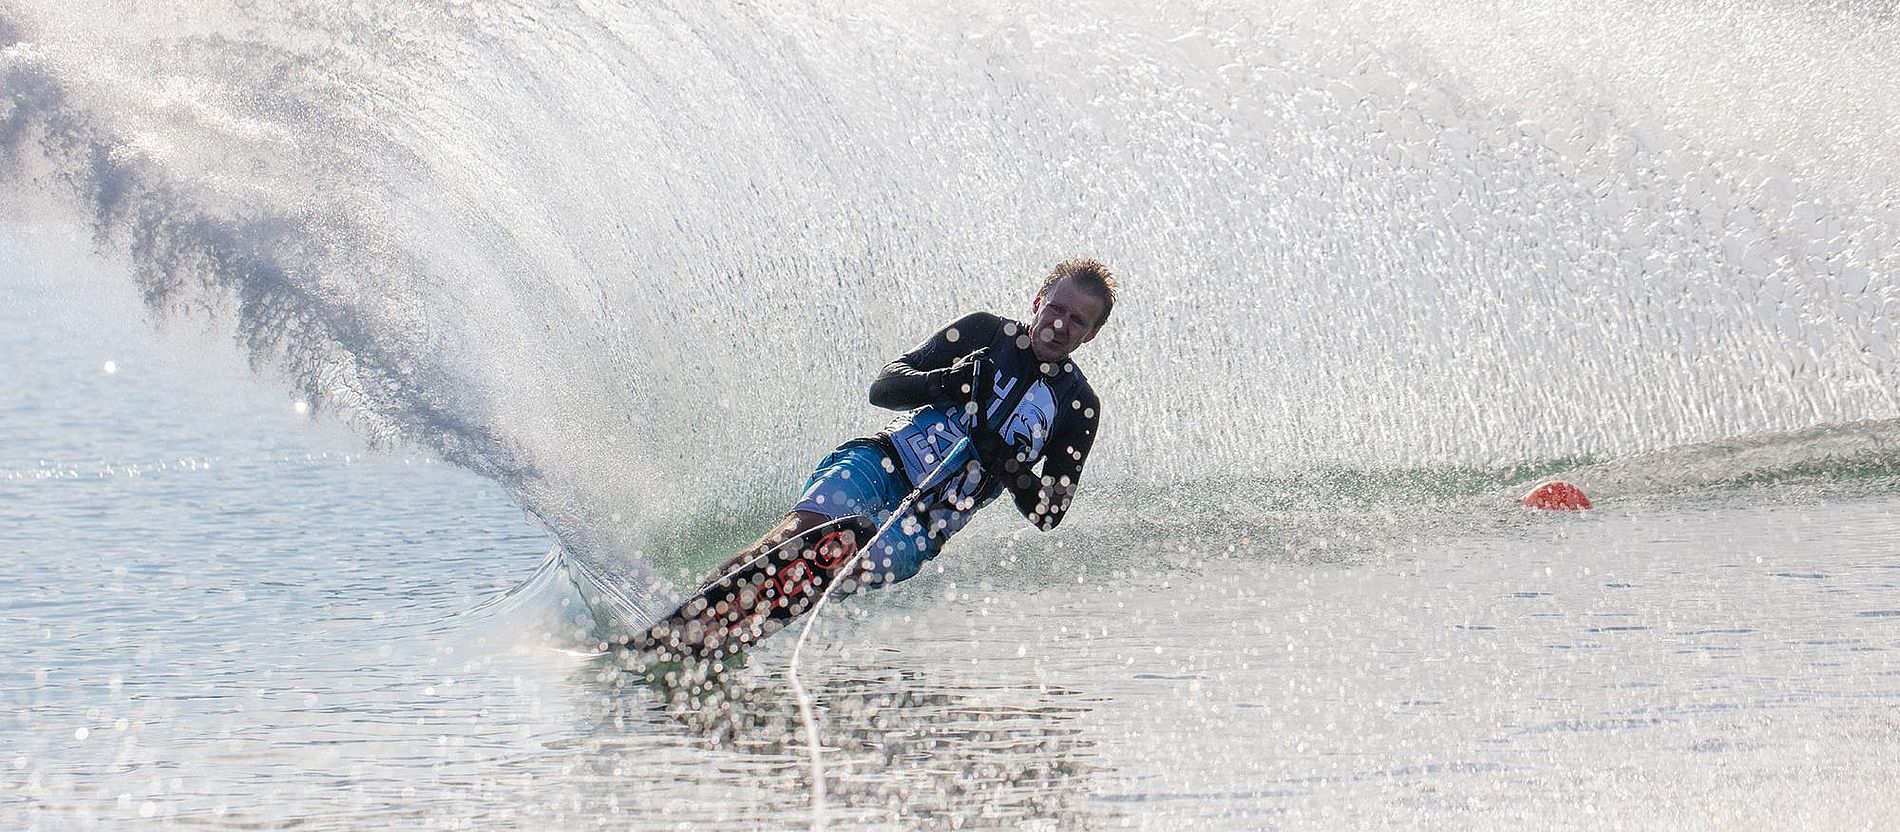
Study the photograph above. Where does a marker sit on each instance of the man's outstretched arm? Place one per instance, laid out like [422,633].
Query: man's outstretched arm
[926,375]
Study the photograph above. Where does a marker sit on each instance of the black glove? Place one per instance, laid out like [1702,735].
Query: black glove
[962,382]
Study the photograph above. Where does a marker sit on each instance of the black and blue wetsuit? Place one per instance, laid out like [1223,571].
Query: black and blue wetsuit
[1051,419]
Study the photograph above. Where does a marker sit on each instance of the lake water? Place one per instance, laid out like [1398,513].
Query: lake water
[370,366]
[218,614]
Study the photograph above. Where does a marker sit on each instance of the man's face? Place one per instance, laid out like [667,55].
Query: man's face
[1067,316]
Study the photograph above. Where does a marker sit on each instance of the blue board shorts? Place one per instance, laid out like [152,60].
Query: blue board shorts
[858,478]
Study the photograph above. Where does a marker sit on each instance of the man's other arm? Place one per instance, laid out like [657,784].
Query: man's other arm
[1044,498]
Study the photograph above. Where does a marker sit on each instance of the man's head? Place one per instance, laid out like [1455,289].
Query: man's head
[1070,308]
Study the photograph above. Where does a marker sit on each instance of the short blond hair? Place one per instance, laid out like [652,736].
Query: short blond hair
[1092,275]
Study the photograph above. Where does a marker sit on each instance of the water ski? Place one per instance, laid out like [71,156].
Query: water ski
[751,602]
[709,632]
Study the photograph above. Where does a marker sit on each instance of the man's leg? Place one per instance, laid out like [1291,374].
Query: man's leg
[854,479]
[794,524]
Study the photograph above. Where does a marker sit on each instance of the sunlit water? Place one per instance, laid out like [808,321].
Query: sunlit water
[217,615]
[599,282]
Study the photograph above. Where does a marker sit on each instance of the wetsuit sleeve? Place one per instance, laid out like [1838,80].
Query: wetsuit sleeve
[1044,498]
[921,376]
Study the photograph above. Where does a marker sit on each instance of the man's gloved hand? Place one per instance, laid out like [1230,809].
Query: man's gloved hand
[963,382]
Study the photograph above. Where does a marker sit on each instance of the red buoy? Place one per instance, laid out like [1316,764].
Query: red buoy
[1556,495]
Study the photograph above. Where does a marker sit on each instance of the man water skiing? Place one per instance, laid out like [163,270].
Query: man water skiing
[1010,387]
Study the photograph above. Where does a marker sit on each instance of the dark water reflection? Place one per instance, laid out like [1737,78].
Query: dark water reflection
[902,746]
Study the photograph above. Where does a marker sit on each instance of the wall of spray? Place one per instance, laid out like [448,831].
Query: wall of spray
[636,263]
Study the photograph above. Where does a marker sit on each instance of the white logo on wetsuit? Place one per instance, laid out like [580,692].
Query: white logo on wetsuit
[1029,424]
[924,435]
